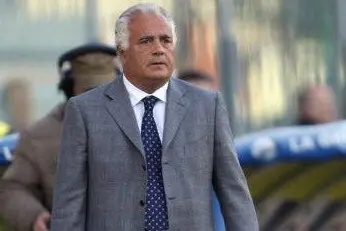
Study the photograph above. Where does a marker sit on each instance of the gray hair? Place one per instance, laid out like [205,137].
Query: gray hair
[121,27]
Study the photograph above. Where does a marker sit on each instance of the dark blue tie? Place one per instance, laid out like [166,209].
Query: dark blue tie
[156,215]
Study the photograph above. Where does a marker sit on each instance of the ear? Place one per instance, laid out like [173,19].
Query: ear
[122,54]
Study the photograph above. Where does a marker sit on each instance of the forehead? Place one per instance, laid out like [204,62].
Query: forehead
[149,24]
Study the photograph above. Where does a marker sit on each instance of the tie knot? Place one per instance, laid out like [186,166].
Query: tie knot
[149,102]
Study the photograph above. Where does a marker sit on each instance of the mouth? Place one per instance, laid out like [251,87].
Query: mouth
[157,63]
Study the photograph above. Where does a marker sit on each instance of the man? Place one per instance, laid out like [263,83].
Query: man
[143,152]
[316,105]
[27,185]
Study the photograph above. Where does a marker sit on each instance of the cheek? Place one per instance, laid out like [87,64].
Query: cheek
[171,56]
[125,58]
[137,61]
[142,58]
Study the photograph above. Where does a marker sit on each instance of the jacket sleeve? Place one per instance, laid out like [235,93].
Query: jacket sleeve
[228,179]
[69,200]
[20,193]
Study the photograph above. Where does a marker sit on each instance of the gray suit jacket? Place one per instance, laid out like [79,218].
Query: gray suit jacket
[101,179]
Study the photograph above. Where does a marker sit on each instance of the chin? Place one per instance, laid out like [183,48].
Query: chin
[160,75]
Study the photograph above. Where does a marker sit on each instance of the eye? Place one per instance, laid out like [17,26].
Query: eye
[167,40]
[144,41]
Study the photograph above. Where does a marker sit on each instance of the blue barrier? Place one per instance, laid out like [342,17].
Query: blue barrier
[316,142]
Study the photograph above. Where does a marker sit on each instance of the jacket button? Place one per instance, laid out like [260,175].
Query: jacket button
[141,202]
[144,167]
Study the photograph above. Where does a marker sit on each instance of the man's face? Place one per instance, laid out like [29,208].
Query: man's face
[149,60]
[319,106]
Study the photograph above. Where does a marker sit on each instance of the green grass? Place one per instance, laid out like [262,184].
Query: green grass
[2,228]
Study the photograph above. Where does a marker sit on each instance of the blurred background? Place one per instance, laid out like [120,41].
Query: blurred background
[261,52]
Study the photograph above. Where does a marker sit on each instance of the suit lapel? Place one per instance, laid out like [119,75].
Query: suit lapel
[176,108]
[119,106]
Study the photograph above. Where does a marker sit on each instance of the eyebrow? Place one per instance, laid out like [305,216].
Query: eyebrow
[165,36]
[161,36]
[146,37]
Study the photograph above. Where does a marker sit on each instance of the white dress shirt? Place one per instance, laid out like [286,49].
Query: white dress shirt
[136,95]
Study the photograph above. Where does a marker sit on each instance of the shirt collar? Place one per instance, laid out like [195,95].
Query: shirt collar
[136,94]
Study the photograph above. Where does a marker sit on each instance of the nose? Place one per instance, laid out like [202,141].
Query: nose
[158,49]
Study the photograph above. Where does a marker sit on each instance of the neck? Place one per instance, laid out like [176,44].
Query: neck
[150,86]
